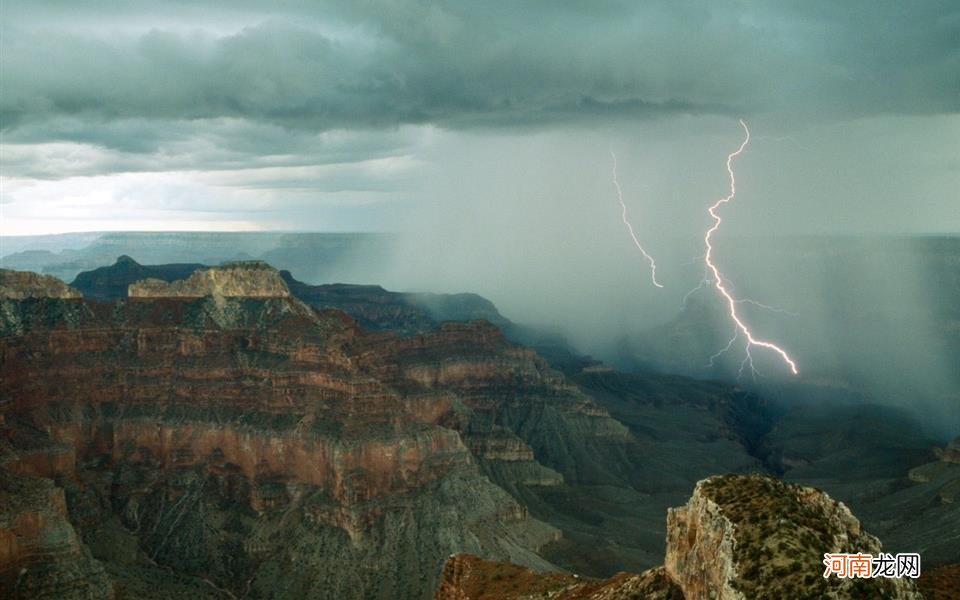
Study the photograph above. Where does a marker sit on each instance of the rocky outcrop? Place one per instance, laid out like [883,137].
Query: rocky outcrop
[111,282]
[252,279]
[751,536]
[467,577]
[700,544]
[41,555]
[738,537]
[18,285]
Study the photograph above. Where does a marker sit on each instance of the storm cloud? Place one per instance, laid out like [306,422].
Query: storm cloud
[350,65]
[184,93]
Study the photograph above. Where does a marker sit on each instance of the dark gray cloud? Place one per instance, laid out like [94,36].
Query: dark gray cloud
[466,64]
[112,103]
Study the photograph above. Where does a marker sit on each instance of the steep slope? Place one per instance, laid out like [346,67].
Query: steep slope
[41,555]
[681,431]
[600,455]
[253,443]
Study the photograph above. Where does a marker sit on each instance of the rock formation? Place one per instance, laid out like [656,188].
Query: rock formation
[372,306]
[738,537]
[252,279]
[257,445]
[19,285]
[41,555]
[217,436]
[111,282]
[750,536]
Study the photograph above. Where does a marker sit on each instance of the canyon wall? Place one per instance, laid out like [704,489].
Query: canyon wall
[258,445]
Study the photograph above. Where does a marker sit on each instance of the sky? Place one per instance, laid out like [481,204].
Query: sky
[449,119]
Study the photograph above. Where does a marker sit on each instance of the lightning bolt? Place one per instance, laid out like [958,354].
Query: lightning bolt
[718,282]
[633,235]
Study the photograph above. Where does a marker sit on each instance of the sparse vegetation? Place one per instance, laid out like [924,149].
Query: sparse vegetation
[781,537]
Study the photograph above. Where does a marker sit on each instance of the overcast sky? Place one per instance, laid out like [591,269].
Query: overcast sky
[388,115]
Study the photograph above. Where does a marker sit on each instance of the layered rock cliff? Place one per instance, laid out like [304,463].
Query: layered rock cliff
[221,444]
[41,555]
[258,445]
[18,285]
[550,460]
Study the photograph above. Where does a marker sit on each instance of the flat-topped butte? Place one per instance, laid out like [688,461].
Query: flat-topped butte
[252,278]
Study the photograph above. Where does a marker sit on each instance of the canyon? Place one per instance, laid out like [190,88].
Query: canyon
[189,431]
[243,440]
